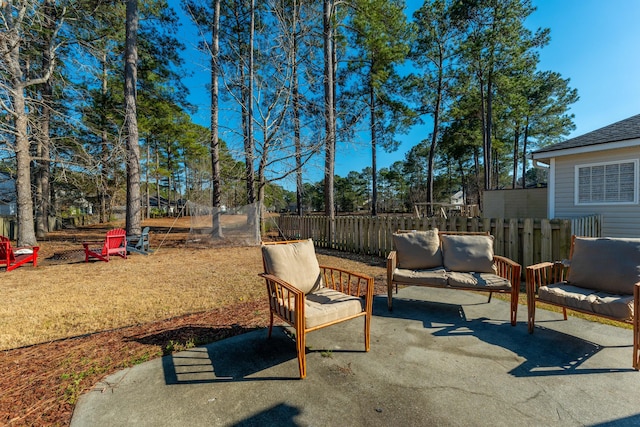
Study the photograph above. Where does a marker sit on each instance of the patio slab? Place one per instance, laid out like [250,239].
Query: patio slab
[442,357]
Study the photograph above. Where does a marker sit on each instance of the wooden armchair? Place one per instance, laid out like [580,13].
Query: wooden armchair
[115,243]
[13,258]
[601,278]
[308,296]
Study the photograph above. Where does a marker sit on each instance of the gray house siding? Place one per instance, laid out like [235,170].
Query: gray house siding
[619,220]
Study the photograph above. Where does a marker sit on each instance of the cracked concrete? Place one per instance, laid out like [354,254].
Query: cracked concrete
[442,357]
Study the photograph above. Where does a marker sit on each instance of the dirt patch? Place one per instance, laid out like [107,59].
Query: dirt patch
[67,324]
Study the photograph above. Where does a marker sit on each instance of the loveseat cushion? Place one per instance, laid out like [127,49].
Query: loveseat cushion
[418,250]
[434,276]
[482,281]
[565,294]
[605,264]
[327,305]
[464,253]
[295,263]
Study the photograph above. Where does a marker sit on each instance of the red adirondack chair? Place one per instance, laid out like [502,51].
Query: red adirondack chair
[14,258]
[115,243]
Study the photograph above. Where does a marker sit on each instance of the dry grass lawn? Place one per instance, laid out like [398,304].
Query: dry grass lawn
[67,297]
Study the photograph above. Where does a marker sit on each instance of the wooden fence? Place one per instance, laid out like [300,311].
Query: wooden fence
[526,241]
[8,227]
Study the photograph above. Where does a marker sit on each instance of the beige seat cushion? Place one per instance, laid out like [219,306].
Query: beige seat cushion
[418,250]
[482,281]
[605,264]
[295,263]
[468,253]
[434,276]
[616,306]
[327,305]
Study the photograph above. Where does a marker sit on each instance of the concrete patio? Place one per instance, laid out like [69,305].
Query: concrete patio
[442,357]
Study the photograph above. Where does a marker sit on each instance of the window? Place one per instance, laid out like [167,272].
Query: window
[607,183]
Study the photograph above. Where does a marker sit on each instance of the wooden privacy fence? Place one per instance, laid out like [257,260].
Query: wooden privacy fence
[526,241]
[8,226]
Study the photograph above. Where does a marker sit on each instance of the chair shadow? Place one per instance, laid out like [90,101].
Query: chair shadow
[546,352]
[246,352]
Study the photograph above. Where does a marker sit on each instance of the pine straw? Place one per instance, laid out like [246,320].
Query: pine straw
[145,307]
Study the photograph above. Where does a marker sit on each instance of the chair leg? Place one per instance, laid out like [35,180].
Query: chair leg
[636,343]
[531,309]
[636,329]
[302,357]
[564,313]
[490,295]
[514,308]
[367,332]
[270,324]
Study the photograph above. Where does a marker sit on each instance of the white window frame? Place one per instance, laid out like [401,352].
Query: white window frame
[577,201]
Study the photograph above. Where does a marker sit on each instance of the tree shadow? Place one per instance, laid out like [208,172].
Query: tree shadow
[281,415]
[547,352]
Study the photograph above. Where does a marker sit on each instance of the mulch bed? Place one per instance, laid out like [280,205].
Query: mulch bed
[40,384]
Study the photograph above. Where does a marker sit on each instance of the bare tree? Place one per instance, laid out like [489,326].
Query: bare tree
[18,19]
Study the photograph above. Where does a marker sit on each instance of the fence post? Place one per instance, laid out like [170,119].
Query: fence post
[527,243]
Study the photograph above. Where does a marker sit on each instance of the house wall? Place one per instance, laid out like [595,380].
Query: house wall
[618,220]
[518,203]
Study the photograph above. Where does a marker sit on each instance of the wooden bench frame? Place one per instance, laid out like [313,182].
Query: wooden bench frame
[506,268]
[548,273]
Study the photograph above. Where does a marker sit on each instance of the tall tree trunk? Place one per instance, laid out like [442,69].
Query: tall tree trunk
[26,230]
[434,141]
[104,147]
[524,153]
[146,178]
[374,149]
[488,146]
[133,219]
[44,142]
[296,111]
[249,143]
[329,116]
[215,142]
[516,138]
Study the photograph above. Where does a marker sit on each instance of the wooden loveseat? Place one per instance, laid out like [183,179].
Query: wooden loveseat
[601,278]
[454,260]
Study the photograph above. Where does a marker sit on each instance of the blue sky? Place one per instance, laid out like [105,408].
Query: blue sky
[594,43]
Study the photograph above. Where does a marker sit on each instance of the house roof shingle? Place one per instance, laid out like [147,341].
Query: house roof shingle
[620,131]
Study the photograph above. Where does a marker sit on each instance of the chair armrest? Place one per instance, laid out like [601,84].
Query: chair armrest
[545,273]
[284,299]
[392,263]
[508,269]
[348,282]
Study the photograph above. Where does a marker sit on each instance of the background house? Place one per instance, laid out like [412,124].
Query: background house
[7,195]
[596,173]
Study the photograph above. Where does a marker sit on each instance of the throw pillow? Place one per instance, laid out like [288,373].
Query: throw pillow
[295,263]
[468,253]
[418,250]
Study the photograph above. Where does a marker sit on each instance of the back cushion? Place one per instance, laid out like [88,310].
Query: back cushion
[295,263]
[468,253]
[605,264]
[418,250]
